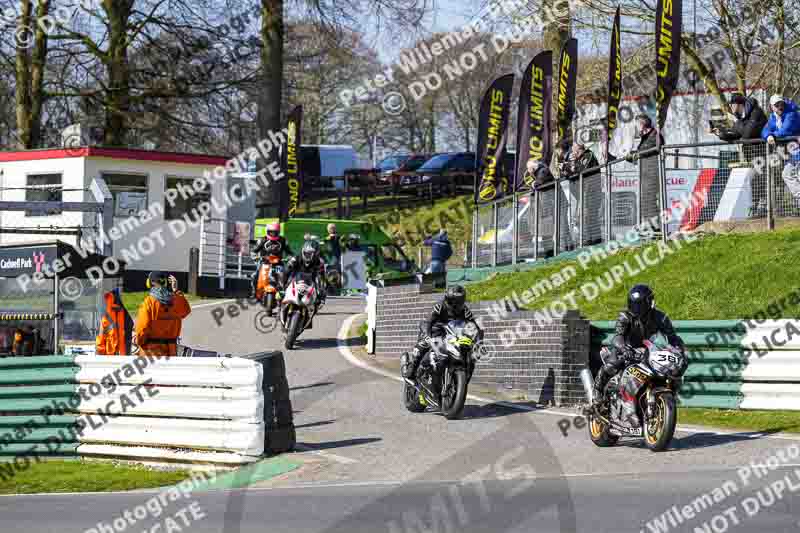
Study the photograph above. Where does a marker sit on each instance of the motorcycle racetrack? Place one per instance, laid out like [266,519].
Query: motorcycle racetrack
[368,465]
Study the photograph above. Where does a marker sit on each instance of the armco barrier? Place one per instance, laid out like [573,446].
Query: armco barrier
[733,364]
[27,385]
[204,409]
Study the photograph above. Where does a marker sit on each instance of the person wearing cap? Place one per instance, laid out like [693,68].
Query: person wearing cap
[784,121]
[160,317]
[649,138]
[750,120]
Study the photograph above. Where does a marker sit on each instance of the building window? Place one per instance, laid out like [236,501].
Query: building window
[129,192]
[43,188]
[187,197]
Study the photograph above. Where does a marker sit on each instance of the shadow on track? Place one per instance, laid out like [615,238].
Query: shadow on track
[314,424]
[705,440]
[313,385]
[316,446]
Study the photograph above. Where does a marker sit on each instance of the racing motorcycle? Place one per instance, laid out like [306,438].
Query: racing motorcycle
[653,384]
[297,307]
[442,376]
[268,283]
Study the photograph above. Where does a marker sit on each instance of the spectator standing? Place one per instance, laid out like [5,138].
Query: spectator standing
[441,251]
[784,121]
[648,172]
[160,317]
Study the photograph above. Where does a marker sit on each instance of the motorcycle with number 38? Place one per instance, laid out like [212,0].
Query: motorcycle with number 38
[641,400]
[443,374]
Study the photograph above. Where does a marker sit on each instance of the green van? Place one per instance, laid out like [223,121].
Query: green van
[385,259]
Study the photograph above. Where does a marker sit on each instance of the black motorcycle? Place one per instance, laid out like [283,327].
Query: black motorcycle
[654,385]
[442,376]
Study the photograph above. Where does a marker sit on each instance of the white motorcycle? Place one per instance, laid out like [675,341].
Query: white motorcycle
[298,306]
[442,376]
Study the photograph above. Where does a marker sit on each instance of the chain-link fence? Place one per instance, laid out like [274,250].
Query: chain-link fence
[693,184]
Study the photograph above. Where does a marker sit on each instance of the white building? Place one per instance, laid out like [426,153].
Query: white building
[138,181]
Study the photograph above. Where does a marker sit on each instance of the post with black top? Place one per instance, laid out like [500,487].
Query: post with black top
[770,195]
[194,270]
[556,217]
[580,210]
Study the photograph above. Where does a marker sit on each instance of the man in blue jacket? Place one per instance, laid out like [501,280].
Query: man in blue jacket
[784,120]
[441,251]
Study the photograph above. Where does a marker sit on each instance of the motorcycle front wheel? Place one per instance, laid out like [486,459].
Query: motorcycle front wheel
[659,429]
[411,399]
[455,393]
[293,330]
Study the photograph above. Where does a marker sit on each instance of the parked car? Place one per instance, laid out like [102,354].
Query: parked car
[408,168]
[390,164]
[446,172]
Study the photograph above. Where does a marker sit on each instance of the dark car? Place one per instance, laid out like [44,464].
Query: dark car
[389,164]
[408,168]
[446,172]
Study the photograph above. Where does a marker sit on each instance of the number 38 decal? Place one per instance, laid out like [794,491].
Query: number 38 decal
[662,358]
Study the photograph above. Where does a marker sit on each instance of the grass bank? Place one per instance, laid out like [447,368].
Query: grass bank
[86,476]
[761,421]
[713,277]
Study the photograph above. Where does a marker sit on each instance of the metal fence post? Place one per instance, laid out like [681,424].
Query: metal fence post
[239,266]
[494,225]
[608,201]
[222,253]
[556,216]
[514,229]
[770,195]
[580,210]
[202,243]
[535,199]
[475,221]
[662,187]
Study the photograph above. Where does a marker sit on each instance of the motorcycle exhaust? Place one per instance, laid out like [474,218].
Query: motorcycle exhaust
[588,384]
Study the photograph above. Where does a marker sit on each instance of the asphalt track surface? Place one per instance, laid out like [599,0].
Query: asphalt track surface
[370,466]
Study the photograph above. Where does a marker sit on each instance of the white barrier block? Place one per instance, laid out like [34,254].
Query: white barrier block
[230,372]
[773,335]
[222,435]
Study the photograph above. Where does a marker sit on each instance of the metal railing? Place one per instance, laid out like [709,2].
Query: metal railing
[218,256]
[656,193]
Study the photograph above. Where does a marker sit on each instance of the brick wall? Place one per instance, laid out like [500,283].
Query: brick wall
[542,358]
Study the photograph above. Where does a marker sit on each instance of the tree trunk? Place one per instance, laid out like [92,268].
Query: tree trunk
[118,120]
[269,108]
[781,25]
[29,75]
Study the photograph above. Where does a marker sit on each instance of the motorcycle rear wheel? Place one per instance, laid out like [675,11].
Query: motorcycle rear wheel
[411,399]
[453,399]
[293,330]
[658,430]
[600,433]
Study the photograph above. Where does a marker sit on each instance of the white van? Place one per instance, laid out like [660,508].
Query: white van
[324,164]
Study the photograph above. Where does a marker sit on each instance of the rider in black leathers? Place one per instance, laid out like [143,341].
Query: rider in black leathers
[310,262]
[273,243]
[450,308]
[635,325]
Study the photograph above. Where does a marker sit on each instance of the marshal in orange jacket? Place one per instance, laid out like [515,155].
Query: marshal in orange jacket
[158,325]
[116,327]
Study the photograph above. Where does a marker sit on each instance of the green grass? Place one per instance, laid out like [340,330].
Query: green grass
[766,421]
[412,225]
[715,277]
[80,476]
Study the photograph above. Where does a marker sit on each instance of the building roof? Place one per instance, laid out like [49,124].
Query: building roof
[130,154]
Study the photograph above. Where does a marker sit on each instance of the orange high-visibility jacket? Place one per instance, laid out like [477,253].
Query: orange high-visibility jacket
[116,327]
[158,326]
